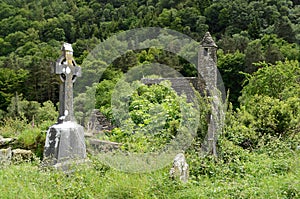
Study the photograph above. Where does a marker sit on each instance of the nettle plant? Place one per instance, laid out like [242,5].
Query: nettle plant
[155,116]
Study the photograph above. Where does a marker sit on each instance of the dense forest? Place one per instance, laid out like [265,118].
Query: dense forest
[258,58]
[246,32]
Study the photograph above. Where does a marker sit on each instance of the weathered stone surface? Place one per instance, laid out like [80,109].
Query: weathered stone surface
[98,123]
[181,85]
[64,141]
[6,141]
[21,155]
[102,146]
[5,156]
[180,168]
[206,82]
[207,41]
[68,71]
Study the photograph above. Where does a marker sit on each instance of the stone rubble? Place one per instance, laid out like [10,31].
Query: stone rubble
[6,141]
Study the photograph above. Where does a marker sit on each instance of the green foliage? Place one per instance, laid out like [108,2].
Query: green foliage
[104,91]
[30,137]
[272,80]
[21,107]
[230,67]
[257,176]
[12,127]
[32,111]
[257,156]
[46,113]
[27,121]
[32,32]
[11,81]
[155,118]
[263,119]
[271,116]
[269,107]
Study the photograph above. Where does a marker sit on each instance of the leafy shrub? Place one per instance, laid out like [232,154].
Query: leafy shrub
[20,107]
[155,117]
[27,121]
[46,113]
[269,107]
[13,127]
[29,136]
[270,116]
[262,119]
[272,81]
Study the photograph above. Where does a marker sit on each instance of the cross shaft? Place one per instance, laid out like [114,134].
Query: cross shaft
[68,71]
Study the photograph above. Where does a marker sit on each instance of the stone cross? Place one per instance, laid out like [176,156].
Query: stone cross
[68,71]
[65,142]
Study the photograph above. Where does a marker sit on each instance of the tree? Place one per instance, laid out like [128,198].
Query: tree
[13,24]
[236,42]
[283,28]
[273,54]
[254,28]
[11,82]
[272,80]
[269,108]
[230,67]
[254,54]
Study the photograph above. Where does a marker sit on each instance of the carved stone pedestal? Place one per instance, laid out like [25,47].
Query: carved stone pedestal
[64,142]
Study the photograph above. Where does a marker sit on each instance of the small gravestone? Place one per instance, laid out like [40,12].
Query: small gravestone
[180,168]
[65,139]
[5,156]
[98,124]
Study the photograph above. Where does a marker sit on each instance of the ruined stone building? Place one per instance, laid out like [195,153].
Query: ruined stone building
[206,80]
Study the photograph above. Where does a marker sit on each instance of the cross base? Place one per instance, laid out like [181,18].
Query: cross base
[64,142]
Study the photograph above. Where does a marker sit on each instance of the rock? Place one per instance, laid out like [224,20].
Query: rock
[88,134]
[5,155]
[180,168]
[21,155]
[103,146]
[6,141]
[97,124]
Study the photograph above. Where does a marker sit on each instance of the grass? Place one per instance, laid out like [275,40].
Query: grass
[260,177]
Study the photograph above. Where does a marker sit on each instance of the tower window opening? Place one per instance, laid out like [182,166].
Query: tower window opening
[205,52]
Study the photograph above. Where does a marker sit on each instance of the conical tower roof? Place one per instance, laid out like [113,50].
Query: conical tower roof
[208,41]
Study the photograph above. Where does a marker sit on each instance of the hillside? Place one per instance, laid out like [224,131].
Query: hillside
[258,148]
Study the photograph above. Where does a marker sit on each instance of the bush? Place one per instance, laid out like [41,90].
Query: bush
[13,127]
[269,106]
[270,116]
[272,81]
[28,125]
[263,119]
[46,113]
[155,116]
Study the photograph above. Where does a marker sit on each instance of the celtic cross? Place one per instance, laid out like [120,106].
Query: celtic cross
[68,71]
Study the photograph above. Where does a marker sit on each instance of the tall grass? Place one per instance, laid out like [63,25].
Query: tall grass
[259,177]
